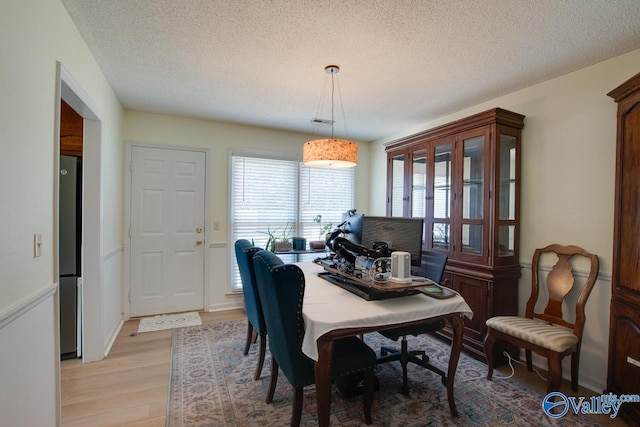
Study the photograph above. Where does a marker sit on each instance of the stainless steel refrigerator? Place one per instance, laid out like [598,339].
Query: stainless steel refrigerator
[70,238]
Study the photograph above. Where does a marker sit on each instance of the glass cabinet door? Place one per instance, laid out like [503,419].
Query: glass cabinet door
[442,192]
[473,193]
[418,183]
[507,203]
[397,185]
[419,186]
[408,182]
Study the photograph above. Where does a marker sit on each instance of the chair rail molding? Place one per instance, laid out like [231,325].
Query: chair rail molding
[17,309]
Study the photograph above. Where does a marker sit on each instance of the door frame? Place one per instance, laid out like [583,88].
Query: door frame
[127,219]
[73,93]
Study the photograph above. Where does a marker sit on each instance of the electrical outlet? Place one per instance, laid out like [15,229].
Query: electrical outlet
[216,225]
[37,245]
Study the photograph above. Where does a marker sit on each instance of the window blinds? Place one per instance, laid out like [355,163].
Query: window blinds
[270,193]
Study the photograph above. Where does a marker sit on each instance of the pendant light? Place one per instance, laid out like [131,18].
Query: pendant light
[330,152]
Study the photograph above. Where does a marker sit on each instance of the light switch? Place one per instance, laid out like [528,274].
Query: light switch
[216,225]
[37,245]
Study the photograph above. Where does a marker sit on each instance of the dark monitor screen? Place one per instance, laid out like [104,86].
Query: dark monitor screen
[401,234]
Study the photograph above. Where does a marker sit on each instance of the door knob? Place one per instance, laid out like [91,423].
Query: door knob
[198,242]
[199,230]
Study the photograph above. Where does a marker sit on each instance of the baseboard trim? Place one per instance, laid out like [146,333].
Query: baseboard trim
[113,336]
[225,306]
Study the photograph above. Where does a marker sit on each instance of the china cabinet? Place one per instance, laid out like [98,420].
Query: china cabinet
[463,178]
[624,331]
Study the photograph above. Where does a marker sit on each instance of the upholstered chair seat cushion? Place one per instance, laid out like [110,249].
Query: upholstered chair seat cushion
[352,355]
[547,335]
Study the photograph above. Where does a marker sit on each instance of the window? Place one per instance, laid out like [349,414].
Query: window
[272,192]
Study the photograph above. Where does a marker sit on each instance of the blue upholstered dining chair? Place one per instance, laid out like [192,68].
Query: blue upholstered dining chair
[432,267]
[255,318]
[282,289]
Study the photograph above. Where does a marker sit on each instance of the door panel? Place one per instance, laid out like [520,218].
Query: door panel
[475,294]
[471,228]
[396,198]
[629,266]
[167,238]
[440,197]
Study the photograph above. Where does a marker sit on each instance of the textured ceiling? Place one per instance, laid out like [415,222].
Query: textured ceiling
[402,63]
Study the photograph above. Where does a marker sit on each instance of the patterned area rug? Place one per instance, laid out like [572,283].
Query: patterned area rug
[212,385]
[169,321]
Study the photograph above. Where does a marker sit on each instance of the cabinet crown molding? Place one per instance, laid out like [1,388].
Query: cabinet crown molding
[497,115]
[627,88]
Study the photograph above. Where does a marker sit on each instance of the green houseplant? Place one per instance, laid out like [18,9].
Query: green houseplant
[283,243]
[323,230]
[278,242]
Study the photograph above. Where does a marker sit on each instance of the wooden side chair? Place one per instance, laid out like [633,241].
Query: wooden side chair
[282,292]
[547,333]
[256,325]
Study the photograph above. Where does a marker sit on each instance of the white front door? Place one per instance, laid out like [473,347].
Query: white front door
[167,230]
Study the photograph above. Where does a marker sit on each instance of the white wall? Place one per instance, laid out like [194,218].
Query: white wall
[34,35]
[568,170]
[219,138]
[28,348]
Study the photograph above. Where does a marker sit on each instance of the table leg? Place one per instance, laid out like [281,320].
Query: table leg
[323,380]
[456,347]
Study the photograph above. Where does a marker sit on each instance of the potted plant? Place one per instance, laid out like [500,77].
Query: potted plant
[324,229]
[282,243]
[278,243]
[271,239]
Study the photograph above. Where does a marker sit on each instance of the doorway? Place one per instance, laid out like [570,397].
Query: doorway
[91,320]
[167,200]
[70,231]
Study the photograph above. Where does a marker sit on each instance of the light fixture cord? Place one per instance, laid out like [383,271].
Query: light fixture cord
[332,91]
[344,116]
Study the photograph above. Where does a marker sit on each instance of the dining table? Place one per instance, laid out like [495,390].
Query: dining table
[331,312]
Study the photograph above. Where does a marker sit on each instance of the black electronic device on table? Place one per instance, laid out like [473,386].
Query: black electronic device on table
[374,290]
[400,234]
[367,293]
[373,237]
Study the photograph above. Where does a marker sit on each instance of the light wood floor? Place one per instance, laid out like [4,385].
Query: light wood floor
[129,387]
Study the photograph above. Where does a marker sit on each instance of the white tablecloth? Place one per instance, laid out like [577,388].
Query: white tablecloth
[328,307]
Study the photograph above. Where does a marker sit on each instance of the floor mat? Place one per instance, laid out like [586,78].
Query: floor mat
[169,321]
